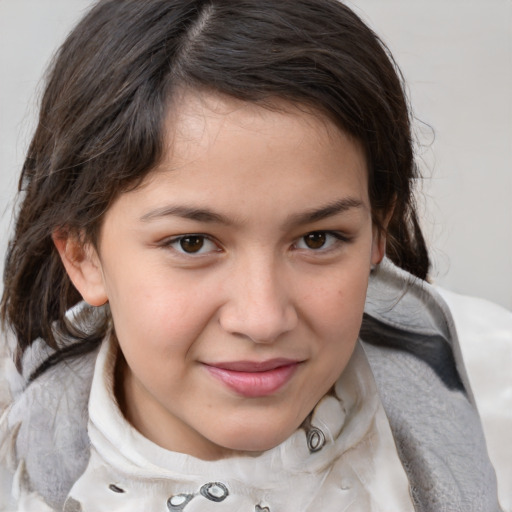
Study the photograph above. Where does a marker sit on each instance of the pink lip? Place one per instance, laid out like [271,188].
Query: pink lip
[254,379]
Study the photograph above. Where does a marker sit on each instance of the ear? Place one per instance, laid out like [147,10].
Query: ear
[82,265]
[378,245]
[379,238]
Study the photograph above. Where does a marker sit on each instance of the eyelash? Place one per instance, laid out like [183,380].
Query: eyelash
[336,237]
[337,240]
[174,243]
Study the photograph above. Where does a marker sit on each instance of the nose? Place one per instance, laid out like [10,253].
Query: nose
[260,303]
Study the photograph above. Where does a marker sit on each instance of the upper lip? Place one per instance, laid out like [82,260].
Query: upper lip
[254,366]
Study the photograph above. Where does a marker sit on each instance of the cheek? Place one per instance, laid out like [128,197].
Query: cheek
[166,322]
[340,294]
[155,316]
[335,309]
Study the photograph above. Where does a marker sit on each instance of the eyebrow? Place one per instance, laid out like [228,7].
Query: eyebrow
[209,216]
[324,212]
[197,214]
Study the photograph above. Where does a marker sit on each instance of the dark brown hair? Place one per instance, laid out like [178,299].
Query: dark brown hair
[100,129]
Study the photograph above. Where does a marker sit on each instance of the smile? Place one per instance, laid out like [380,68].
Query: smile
[254,379]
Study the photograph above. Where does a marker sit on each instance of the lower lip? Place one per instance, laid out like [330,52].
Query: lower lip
[254,384]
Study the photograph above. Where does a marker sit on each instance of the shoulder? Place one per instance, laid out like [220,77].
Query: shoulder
[404,314]
[45,426]
[8,375]
[485,335]
[412,344]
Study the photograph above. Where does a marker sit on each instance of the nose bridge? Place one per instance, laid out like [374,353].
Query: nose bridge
[260,305]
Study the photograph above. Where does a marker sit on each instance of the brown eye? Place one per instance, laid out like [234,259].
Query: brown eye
[315,240]
[192,244]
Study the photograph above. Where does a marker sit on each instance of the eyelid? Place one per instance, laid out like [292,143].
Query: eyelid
[339,239]
[171,241]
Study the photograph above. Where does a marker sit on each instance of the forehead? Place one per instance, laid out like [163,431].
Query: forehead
[240,157]
[198,118]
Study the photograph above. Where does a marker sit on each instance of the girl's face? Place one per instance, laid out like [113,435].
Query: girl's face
[236,275]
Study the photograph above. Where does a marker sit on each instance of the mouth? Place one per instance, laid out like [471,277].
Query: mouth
[253,379]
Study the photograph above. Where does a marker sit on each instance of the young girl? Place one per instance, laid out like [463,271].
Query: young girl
[217,277]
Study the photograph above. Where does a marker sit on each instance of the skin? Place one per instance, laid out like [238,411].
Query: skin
[255,286]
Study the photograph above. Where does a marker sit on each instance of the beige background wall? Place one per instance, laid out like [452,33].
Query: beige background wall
[457,58]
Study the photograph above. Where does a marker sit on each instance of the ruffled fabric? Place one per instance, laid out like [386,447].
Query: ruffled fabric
[342,459]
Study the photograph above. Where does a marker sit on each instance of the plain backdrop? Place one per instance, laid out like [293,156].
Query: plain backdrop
[456,56]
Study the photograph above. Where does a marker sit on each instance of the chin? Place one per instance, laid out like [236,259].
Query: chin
[251,448]
[254,439]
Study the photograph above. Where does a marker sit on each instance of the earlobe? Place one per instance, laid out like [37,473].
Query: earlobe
[378,246]
[83,266]
[380,237]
